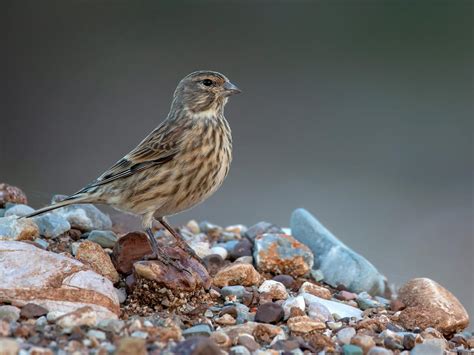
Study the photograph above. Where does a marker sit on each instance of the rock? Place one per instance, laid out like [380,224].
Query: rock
[121,294]
[130,248]
[282,254]
[341,309]
[52,225]
[111,325]
[213,263]
[345,335]
[269,313]
[237,229]
[379,351]
[365,303]
[131,345]
[212,230]
[53,281]
[93,255]
[244,260]
[99,335]
[276,289]
[365,342]
[202,249]
[200,330]
[304,324]
[261,228]
[19,211]
[11,194]
[318,311]
[339,264]
[222,252]
[85,217]
[193,227]
[237,274]
[428,304]
[351,350]
[197,346]
[345,296]
[319,291]
[248,341]
[195,278]
[297,302]
[82,316]
[239,350]
[226,319]
[32,310]
[221,339]
[242,248]
[9,346]
[106,239]
[12,228]
[238,291]
[253,328]
[286,280]
[427,349]
[10,313]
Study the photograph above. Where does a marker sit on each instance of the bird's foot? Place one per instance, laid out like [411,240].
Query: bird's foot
[166,260]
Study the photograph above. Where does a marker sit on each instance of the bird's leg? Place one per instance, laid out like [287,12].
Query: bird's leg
[179,240]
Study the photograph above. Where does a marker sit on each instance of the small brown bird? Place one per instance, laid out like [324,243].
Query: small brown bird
[178,165]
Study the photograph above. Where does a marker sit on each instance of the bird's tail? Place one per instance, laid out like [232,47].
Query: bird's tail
[66,202]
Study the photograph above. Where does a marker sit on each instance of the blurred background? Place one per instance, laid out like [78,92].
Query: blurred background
[359,111]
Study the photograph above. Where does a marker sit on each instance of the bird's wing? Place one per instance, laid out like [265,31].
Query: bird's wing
[159,147]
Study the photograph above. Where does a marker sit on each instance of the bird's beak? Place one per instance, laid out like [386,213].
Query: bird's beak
[231,89]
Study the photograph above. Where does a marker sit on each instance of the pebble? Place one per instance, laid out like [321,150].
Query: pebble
[276,289]
[237,229]
[339,264]
[365,303]
[12,194]
[82,316]
[201,248]
[427,349]
[85,217]
[378,350]
[239,350]
[111,325]
[10,313]
[269,313]
[237,290]
[261,228]
[244,260]
[129,249]
[345,296]
[12,228]
[348,349]
[197,330]
[317,275]
[121,294]
[9,346]
[428,304]
[248,341]
[286,280]
[221,339]
[131,345]
[93,255]
[52,225]
[225,319]
[237,274]
[293,302]
[99,335]
[242,248]
[41,321]
[32,310]
[318,311]
[341,309]
[345,335]
[365,342]
[197,346]
[304,324]
[106,239]
[19,210]
[222,252]
[193,227]
[282,254]
[139,334]
[41,243]
[315,290]
[53,315]
[212,230]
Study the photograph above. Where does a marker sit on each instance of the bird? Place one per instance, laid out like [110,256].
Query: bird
[182,162]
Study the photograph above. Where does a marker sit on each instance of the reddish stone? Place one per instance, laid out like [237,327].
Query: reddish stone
[130,248]
[32,310]
[12,194]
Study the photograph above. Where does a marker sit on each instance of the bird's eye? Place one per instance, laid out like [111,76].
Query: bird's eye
[207,82]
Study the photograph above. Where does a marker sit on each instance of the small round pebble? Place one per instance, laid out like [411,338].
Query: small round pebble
[269,313]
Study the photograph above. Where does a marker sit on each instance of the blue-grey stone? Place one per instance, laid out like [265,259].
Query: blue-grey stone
[42,243]
[341,309]
[427,349]
[239,350]
[52,225]
[229,245]
[366,303]
[349,349]
[14,228]
[200,330]
[339,264]
[2,212]
[243,313]
[85,217]
[106,239]
[19,210]
[233,290]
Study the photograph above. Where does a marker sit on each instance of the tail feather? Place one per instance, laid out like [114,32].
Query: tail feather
[66,202]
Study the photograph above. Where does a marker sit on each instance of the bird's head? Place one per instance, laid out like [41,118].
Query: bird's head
[204,91]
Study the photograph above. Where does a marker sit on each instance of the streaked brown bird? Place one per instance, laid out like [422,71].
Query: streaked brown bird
[178,165]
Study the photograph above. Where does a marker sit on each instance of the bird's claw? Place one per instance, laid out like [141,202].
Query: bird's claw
[165,259]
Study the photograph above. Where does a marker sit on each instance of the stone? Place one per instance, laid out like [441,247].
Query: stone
[221,339]
[282,254]
[319,291]
[244,260]
[52,225]
[13,194]
[427,349]
[193,227]
[82,316]
[378,350]
[365,303]
[237,274]
[261,228]
[202,249]
[318,311]
[111,325]
[276,289]
[345,296]
[106,239]
[194,278]
[226,319]
[197,346]
[130,248]
[10,313]
[131,345]
[19,210]
[13,228]
[237,290]
[428,304]
[32,310]
[53,281]
[99,335]
[365,342]
[9,346]
[242,248]
[349,349]
[237,229]
[248,341]
[286,280]
[212,230]
[222,252]
[85,217]
[291,302]
[304,324]
[269,313]
[93,255]
[252,328]
[121,294]
[339,264]
[345,335]
[200,330]
[213,263]
[239,350]
[341,309]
